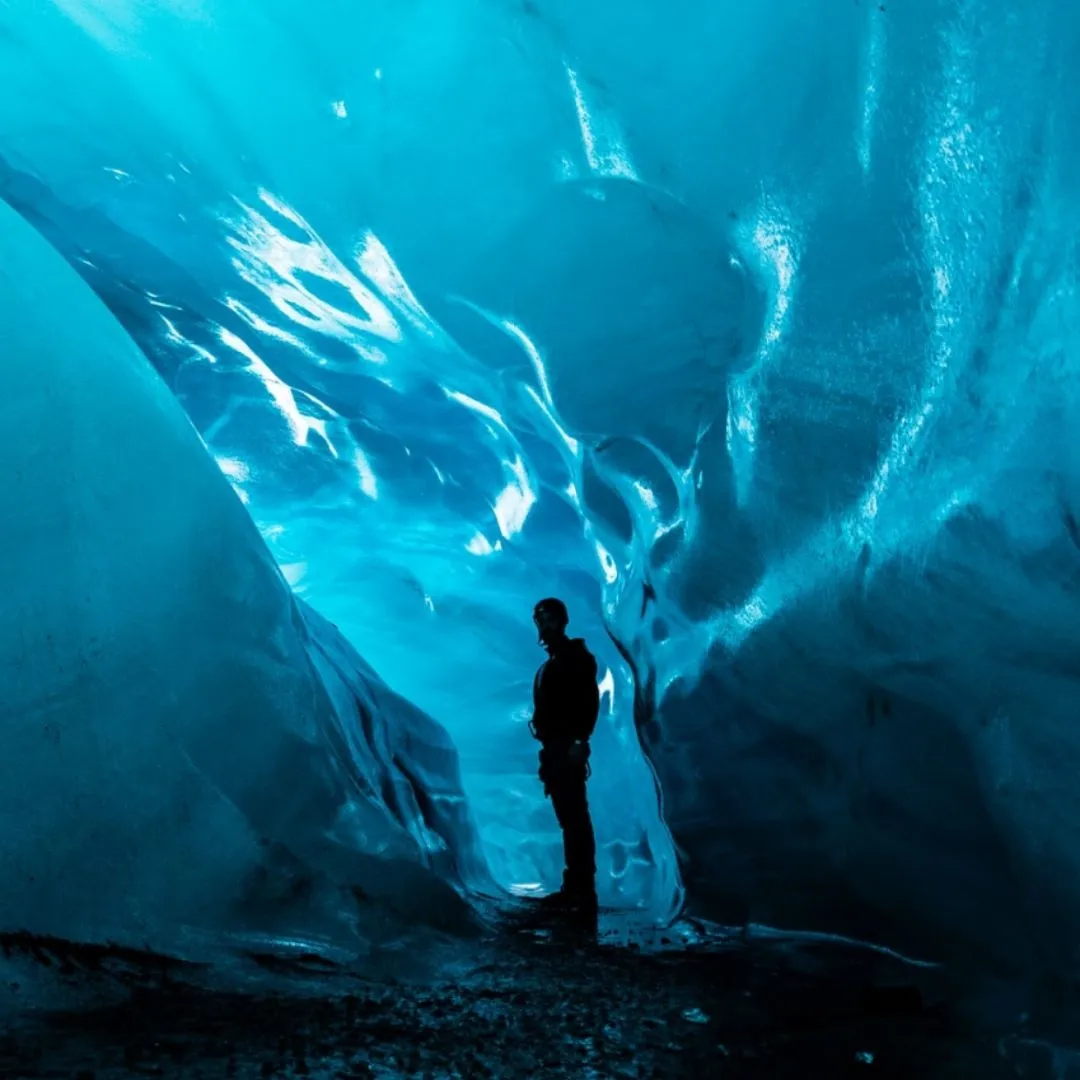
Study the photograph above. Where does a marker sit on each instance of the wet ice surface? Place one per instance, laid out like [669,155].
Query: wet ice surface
[525,1001]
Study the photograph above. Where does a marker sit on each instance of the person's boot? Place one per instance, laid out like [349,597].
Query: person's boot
[583,910]
[571,898]
[556,901]
[580,896]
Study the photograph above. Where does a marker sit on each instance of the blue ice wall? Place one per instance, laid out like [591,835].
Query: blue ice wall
[190,752]
[411,472]
[748,327]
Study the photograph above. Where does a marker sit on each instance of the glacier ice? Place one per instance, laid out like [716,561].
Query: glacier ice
[749,332]
[419,507]
[186,745]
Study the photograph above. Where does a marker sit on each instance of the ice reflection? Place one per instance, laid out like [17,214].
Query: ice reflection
[297,274]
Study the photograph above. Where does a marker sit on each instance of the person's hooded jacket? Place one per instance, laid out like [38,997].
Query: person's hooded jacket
[566,699]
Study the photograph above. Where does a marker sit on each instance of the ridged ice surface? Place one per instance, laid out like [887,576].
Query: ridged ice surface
[190,752]
[750,331]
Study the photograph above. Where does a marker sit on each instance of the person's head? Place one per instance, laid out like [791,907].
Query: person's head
[551,618]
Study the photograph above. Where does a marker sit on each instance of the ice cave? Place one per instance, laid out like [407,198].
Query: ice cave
[336,334]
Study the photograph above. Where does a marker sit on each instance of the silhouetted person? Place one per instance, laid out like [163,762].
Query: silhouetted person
[566,703]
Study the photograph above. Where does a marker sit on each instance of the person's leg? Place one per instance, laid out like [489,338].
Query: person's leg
[560,803]
[571,805]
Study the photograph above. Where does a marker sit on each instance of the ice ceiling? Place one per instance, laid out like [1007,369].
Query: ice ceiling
[747,328]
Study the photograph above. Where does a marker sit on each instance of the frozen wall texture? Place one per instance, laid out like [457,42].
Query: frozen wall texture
[185,745]
[749,328]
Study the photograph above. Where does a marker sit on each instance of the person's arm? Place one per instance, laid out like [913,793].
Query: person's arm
[579,752]
[592,709]
[586,700]
[536,707]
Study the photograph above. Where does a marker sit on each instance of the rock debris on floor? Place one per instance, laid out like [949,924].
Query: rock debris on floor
[529,1007]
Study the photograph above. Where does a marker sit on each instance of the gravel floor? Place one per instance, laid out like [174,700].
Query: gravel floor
[531,1003]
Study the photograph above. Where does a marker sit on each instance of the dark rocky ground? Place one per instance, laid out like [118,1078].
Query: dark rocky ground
[531,1003]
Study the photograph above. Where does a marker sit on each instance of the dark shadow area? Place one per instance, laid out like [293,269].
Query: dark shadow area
[527,1002]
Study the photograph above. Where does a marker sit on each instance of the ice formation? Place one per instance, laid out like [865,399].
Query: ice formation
[186,745]
[747,331]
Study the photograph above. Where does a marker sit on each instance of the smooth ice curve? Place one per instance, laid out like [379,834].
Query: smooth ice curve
[187,746]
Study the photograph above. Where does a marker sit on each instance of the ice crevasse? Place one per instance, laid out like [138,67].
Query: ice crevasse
[750,332]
